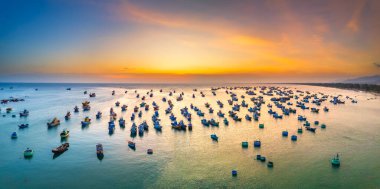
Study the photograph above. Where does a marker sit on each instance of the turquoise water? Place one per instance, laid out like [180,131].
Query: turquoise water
[185,159]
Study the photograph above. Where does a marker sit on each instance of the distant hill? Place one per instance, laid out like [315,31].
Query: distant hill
[375,79]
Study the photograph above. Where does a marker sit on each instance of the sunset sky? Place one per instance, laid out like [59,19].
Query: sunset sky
[188,41]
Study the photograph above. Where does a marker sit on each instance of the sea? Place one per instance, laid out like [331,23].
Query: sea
[186,159]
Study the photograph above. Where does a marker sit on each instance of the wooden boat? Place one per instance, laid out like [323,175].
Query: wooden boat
[55,122]
[60,149]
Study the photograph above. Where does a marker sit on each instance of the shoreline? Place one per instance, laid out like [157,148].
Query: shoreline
[371,88]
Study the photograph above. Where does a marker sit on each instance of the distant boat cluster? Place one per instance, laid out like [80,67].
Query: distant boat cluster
[283,102]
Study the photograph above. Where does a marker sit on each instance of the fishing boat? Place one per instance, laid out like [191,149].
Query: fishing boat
[14,135]
[76,109]
[214,137]
[270,164]
[214,123]
[23,126]
[157,126]
[190,126]
[133,130]
[8,110]
[122,122]
[111,126]
[149,151]
[55,122]
[294,138]
[124,108]
[257,143]
[60,149]
[205,122]
[92,95]
[300,130]
[98,115]
[225,121]
[234,173]
[131,144]
[64,133]
[86,122]
[67,116]
[323,126]
[24,113]
[311,129]
[244,144]
[141,130]
[284,133]
[28,153]
[261,125]
[335,161]
[220,113]
[117,104]
[99,151]
[248,118]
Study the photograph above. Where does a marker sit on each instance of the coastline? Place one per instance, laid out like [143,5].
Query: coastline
[371,88]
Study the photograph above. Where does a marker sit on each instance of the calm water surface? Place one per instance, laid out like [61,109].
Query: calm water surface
[185,159]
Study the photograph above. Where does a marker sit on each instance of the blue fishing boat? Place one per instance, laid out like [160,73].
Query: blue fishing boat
[311,129]
[294,138]
[14,135]
[205,122]
[284,133]
[132,145]
[24,113]
[214,123]
[111,126]
[141,130]
[190,126]
[122,122]
[98,115]
[248,118]
[124,108]
[157,126]
[23,126]
[257,143]
[214,137]
[234,173]
[133,129]
[225,121]
[76,109]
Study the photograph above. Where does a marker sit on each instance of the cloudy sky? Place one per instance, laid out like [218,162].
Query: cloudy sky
[188,40]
